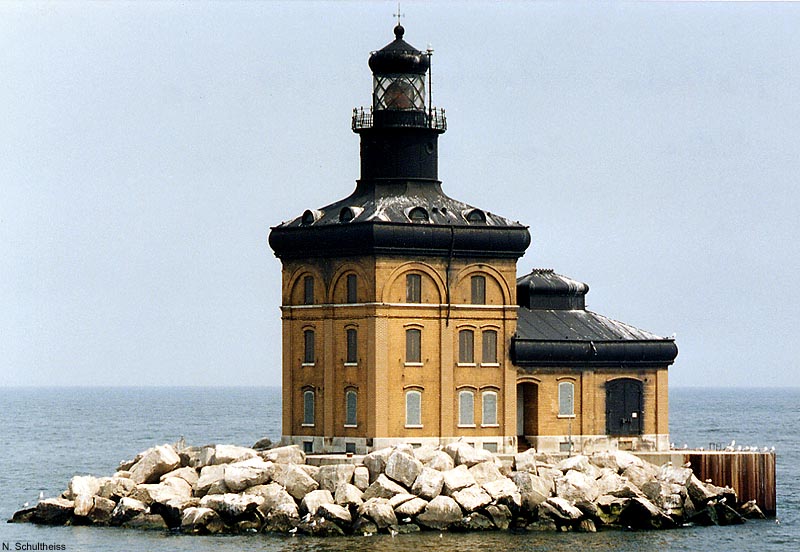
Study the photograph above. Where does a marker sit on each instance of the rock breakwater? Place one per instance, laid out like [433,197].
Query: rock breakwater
[231,489]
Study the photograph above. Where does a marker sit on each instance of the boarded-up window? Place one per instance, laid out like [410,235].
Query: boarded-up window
[351,404]
[413,408]
[466,345]
[308,290]
[478,290]
[466,408]
[413,345]
[308,407]
[352,346]
[489,354]
[308,347]
[566,398]
[413,288]
[489,408]
[352,288]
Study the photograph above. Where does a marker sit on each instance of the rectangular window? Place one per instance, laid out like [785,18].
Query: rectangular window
[308,408]
[413,288]
[466,408]
[489,354]
[491,447]
[352,288]
[414,409]
[308,347]
[308,290]
[413,346]
[352,346]
[351,405]
[566,399]
[308,447]
[466,345]
[489,417]
[478,290]
[350,448]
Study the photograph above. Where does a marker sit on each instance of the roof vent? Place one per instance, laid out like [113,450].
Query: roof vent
[418,214]
[310,217]
[346,214]
[476,216]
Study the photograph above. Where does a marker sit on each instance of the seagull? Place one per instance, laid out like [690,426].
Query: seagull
[406,520]
[685,446]
[41,495]
[392,532]
[26,505]
[687,465]
[293,530]
[367,534]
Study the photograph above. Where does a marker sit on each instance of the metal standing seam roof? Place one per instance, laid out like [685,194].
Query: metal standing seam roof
[576,325]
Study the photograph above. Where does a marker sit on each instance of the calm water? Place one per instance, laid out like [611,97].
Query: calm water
[48,435]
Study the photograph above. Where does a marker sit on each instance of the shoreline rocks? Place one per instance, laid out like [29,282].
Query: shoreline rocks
[231,489]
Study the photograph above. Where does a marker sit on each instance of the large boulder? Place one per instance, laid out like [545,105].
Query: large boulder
[201,521]
[313,500]
[641,474]
[348,495]
[361,477]
[500,515]
[576,486]
[428,484]
[383,487]
[231,506]
[154,463]
[560,510]
[248,473]
[549,474]
[426,453]
[228,454]
[579,463]
[211,477]
[82,485]
[463,453]
[527,482]
[262,444]
[411,508]
[456,479]
[677,475]
[187,474]
[115,487]
[53,511]
[375,462]
[471,498]
[335,513]
[126,509]
[172,510]
[295,480]
[440,461]
[285,455]
[625,460]
[504,491]
[640,513]
[379,511]
[440,513]
[611,483]
[485,472]
[402,468]
[699,492]
[276,498]
[149,493]
[330,477]
[525,461]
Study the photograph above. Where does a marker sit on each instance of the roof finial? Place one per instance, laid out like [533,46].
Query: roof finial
[399,30]
[398,15]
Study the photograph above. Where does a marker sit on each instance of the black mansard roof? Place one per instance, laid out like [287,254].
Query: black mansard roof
[555,329]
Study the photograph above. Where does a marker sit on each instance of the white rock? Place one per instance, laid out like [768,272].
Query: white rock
[232,505]
[201,520]
[485,472]
[127,508]
[154,463]
[428,484]
[296,481]
[241,475]
[83,504]
[576,486]
[383,487]
[347,494]
[457,479]
[335,513]
[579,463]
[115,487]
[83,485]
[285,455]
[210,476]
[625,460]
[562,508]
[403,468]
[227,454]
[525,461]
[399,499]
[275,498]
[187,474]
[440,513]
[330,477]
[312,501]
[375,462]
[411,508]
[471,498]
[361,477]
[425,453]
[379,511]
[441,461]
[503,489]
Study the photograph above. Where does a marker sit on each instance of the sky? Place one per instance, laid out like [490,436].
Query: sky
[146,149]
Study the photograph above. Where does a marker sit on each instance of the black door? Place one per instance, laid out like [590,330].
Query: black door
[624,407]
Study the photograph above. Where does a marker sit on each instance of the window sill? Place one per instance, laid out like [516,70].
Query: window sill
[351,363]
[490,364]
[350,425]
[308,364]
[306,425]
[466,425]
[466,364]
[413,426]
[566,416]
[490,425]
[412,364]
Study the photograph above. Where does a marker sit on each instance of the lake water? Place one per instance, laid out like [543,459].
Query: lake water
[49,435]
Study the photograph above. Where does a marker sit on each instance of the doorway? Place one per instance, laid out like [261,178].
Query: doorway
[624,407]
[527,414]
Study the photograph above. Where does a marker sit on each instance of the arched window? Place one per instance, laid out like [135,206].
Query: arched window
[413,409]
[566,398]
[308,408]
[351,408]
[308,347]
[466,408]
[413,346]
[413,288]
[489,417]
[308,290]
[418,214]
[478,285]
[352,346]
[476,215]
[489,350]
[466,346]
[352,288]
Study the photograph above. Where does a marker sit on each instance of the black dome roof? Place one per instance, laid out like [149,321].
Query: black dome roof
[399,57]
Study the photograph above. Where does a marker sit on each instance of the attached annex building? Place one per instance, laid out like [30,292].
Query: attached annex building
[404,320]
